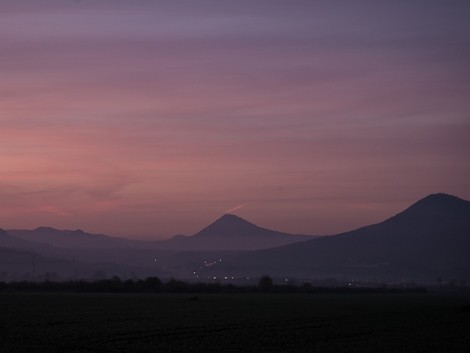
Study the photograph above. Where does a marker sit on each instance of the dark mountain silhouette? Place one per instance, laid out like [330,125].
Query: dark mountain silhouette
[231,232]
[8,240]
[69,238]
[78,246]
[428,240]
[78,239]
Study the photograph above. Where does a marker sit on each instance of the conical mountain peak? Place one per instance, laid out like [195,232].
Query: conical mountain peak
[227,216]
[439,204]
[231,219]
[229,225]
[231,232]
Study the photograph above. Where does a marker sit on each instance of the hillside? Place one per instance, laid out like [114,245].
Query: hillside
[428,240]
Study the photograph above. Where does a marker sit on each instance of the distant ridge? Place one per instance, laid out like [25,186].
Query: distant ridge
[54,230]
[46,229]
[73,239]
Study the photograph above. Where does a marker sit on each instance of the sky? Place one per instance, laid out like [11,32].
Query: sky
[146,119]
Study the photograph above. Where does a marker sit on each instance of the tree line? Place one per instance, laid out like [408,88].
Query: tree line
[155,285]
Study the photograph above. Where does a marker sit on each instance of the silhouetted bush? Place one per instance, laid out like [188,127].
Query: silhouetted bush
[153,284]
[265,284]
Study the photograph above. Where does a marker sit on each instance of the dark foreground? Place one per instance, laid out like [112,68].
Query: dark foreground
[234,323]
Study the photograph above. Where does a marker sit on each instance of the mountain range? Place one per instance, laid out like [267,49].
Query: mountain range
[229,232]
[430,239]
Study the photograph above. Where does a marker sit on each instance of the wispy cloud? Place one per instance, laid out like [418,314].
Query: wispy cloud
[236,208]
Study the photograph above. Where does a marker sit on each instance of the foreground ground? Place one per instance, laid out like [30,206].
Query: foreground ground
[234,323]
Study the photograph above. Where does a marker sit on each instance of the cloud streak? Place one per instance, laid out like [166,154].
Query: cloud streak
[236,208]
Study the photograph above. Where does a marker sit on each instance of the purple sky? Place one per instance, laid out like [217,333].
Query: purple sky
[151,118]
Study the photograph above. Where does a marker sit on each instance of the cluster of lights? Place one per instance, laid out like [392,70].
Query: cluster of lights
[209,264]
[225,277]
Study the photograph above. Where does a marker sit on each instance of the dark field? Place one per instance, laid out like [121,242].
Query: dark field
[234,323]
